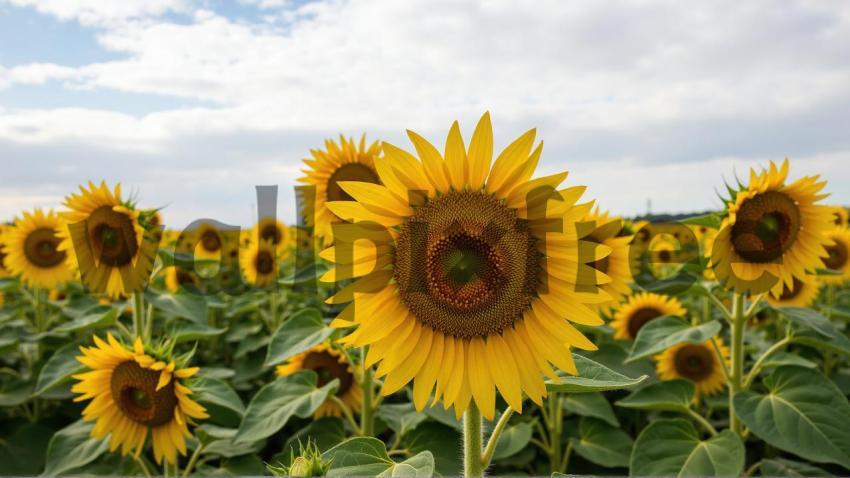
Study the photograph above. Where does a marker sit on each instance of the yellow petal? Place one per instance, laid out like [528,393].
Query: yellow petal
[456,158]
[480,152]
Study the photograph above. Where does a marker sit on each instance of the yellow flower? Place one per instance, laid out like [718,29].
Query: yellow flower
[32,250]
[260,263]
[473,287]
[326,169]
[838,258]
[4,272]
[773,233]
[104,239]
[640,309]
[328,364]
[133,392]
[177,278]
[609,231]
[698,363]
[801,294]
[840,216]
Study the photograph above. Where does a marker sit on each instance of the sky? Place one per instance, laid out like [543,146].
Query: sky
[190,104]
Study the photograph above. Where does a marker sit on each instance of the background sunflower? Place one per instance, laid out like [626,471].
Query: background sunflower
[640,309]
[32,251]
[329,364]
[698,363]
[838,256]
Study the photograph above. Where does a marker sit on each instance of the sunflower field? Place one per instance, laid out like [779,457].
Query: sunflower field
[431,311]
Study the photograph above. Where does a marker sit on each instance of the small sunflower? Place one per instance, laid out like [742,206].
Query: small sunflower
[133,392]
[177,278]
[800,294]
[698,363]
[32,250]
[480,280]
[773,232]
[260,263]
[272,230]
[838,258]
[345,161]
[4,272]
[640,309]
[608,231]
[329,364]
[104,239]
[840,216]
[210,242]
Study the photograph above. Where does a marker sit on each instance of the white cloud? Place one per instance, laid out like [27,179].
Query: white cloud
[99,12]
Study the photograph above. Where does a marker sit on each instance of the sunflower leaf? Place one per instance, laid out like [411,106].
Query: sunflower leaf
[58,368]
[592,377]
[712,220]
[367,456]
[668,396]
[603,444]
[73,447]
[275,403]
[513,440]
[300,332]
[664,332]
[186,306]
[810,319]
[591,405]
[674,448]
[99,317]
[784,467]
[803,413]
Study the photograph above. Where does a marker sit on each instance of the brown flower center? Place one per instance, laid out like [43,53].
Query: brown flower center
[766,227]
[837,256]
[694,362]
[789,294]
[113,236]
[210,240]
[270,232]
[40,248]
[134,391]
[349,172]
[264,262]
[640,317]
[466,265]
[328,367]
[185,277]
[664,256]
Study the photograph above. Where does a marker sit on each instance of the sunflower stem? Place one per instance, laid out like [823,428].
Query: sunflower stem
[702,421]
[148,323]
[737,372]
[141,462]
[193,460]
[346,412]
[760,362]
[367,421]
[138,314]
[273,310]
[494,437]
[472,463]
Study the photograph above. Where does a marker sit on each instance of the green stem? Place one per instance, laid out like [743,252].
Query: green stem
[142,465]
[554,427]
[193,460]
[472,465]
[367,421]
[737,372]
[39,309]
[760,362]
[148,323]
[138,314]
[346,412]
[273,309]
[494,437]
[702,421]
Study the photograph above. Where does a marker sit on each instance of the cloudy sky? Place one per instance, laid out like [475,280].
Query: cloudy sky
[191,103]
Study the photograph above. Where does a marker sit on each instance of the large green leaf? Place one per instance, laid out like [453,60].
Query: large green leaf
[221,441]
[810,319]
[187,306]
[790,468]
[592,377]
[188,331]
[22,447]
[443,441]
[367,456]
[300,332]
[602,443]
[73,447]
[674,448]
[100,317]
[222,402]
[277,402]
[400,417]
[664,332]
[671,396]
[803,413]
[58,368]
[326,432]
[513,439]
[591,405]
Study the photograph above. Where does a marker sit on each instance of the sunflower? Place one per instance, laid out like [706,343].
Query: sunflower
[32,250]
[210,243]
[840,216]
[477,278]
[773,232]
[800,294]
[326,169]
[839,256]
[4,272]
[133,391]
[640,309]
[260,263]
[329,364]
[104,239]
[698,363]
[609,232]
[177,278]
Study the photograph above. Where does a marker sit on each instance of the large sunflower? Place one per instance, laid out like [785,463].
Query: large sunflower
[326,169]
[838,258]
[260,263]
[800,294]
[105,240]
[31,249]
[640,309]
[609,232]
[480,279]
[328,364]
[698,363]
[773,232]
[132,392]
